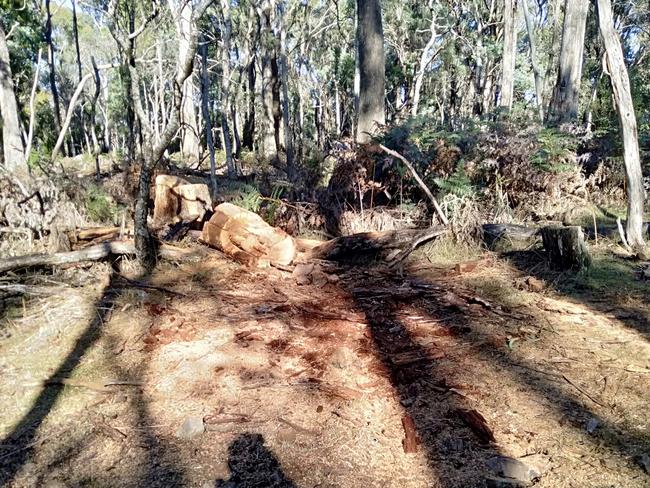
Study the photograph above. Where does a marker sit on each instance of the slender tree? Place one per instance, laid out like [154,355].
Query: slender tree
[566,94]
[509,53]
[623,97]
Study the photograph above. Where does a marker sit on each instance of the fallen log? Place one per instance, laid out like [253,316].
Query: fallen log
[94,232]
[93,253]
[373,244]
[247,238]
[509,237]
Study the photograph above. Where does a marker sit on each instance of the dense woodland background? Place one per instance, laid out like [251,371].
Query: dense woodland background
[508,109]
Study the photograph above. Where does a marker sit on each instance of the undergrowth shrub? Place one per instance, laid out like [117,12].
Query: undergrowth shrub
[99,206]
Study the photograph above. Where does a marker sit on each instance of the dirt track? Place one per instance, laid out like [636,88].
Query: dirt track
[325,384]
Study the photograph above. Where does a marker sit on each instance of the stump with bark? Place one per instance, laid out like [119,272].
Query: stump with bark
[566,247]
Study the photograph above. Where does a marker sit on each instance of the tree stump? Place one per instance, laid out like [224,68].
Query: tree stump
[565,247]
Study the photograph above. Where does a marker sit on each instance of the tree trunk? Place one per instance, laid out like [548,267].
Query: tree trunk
[32,107]
[509,53]
[566,94]
[75,32]
[627,118]
[269,81]
[534,59]
[371,60]
[51,64]
[425,60]
[284,75]
[12,142]
[189,130]
[206,118]
[225,85]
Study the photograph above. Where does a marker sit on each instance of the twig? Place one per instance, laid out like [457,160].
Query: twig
[139,284]
[441,214]
[585,393]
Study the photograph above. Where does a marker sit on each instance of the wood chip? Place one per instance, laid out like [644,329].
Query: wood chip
[411,441]
[477,423]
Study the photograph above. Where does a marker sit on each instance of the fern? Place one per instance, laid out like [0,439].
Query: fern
[249,198]
[457,183]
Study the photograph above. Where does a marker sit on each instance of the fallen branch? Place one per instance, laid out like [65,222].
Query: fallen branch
[369,243]
[93,253]
[583,391]
[425,188]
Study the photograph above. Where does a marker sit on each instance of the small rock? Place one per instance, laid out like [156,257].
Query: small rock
[302,273]
[644,462]
[319,278]
[592,425]
[192,427]
[514,469]
[534,284]
[332,278]
[343,358]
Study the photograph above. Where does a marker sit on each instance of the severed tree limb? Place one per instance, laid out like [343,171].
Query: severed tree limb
[352,247]
[93,253]
[425,188]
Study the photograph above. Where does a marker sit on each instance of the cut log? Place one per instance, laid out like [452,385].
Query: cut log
[509,237]
[93,253]
[177,199]
[247,238]
[566,247]
[373,244]
[166,204]
[195,201]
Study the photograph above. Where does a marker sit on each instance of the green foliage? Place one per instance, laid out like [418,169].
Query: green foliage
[249,198]
[99,206]
[458,183]
[554,151]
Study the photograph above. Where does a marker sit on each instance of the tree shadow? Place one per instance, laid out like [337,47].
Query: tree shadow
[252,464]
[633,317]
[454,443]
[22,441]
[456,448]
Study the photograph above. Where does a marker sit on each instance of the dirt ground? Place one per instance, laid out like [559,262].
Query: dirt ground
[364,377]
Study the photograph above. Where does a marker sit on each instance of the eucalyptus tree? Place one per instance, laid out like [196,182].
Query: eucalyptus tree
[371,61]
[185,14]
[566,94]
[617,71]
[12,142]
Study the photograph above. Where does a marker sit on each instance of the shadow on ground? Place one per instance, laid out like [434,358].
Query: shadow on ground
[156,466]
[252,464]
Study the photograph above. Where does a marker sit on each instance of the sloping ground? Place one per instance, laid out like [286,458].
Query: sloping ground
[324,384]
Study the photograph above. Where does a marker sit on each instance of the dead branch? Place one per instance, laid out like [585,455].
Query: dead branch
[425,188]
[93,253]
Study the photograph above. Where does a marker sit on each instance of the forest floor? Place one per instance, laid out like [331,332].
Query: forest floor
[328,383]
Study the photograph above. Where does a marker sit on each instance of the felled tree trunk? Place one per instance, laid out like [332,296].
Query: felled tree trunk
[394,245]
[566,247]
[247,238]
